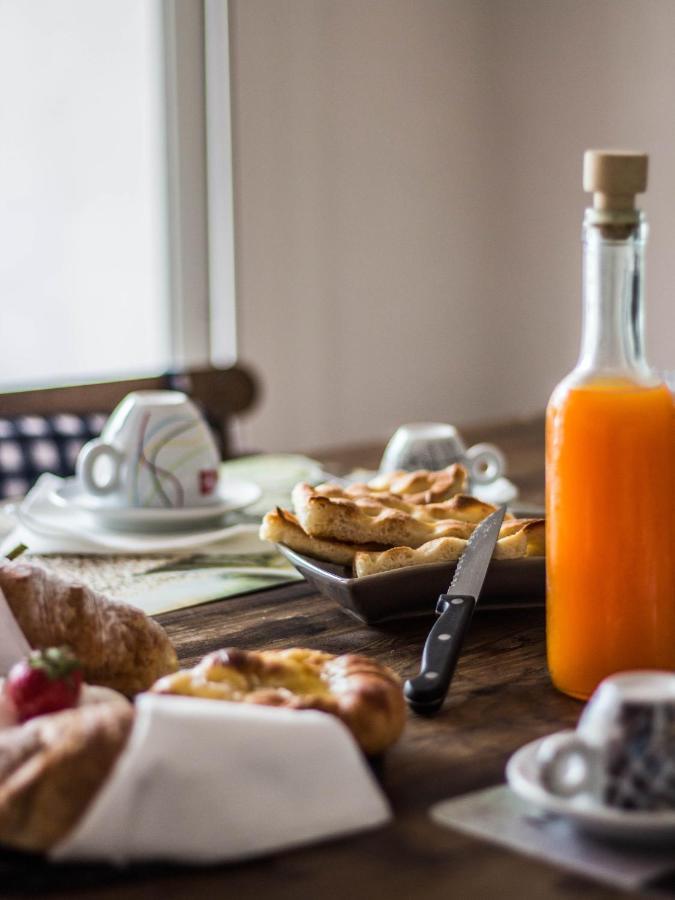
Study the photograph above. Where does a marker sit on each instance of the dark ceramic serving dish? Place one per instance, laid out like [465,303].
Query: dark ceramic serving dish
[413,591]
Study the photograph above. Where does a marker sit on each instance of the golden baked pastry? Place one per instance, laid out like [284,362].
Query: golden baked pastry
[364,694]
[52,767]
[447,549]
[422,486]
[366,519]
[281,527]
[534,531]
[118,646]
[378,530]
[460,508]
[395,520]
[518,538]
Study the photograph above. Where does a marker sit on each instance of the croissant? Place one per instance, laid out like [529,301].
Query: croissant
[118,646]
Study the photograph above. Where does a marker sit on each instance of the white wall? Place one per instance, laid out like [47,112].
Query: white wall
[408,200]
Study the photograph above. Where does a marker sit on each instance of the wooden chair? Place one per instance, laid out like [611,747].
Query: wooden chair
[43,429]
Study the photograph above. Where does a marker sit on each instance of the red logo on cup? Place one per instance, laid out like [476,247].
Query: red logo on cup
[208,478]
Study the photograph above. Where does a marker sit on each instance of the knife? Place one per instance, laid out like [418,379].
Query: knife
[426,692]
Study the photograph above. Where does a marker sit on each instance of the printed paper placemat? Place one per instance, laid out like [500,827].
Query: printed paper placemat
[159,584]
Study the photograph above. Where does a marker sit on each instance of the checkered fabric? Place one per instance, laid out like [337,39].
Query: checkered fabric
[31,445]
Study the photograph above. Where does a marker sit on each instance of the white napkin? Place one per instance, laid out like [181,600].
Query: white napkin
[13,644]
[205,781]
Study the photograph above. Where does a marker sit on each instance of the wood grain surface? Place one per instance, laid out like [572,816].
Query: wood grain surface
[501,698]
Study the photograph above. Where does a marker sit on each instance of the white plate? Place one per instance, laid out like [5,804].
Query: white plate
[595,818]
[233,494]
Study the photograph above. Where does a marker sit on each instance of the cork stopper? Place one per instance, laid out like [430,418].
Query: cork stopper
[614,177]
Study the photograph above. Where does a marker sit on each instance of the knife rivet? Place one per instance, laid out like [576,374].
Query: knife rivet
[457,601]
[431,675]
[443,637]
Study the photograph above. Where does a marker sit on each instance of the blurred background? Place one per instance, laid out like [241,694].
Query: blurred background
[375,205]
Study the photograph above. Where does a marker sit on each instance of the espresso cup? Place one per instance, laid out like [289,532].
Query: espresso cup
[623,750]
[435,445]
[156,450]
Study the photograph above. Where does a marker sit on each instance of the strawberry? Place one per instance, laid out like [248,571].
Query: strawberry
[47,681]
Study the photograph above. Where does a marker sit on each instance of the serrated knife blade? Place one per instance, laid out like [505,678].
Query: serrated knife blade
[473,563]
[426,692]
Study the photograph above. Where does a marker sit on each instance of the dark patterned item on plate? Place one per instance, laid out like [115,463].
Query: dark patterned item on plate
[641,767]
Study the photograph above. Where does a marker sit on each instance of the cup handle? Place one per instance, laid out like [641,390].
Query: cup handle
[553,760]
[485,463]
[89,454]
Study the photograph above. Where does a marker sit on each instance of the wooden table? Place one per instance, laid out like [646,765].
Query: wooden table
[501,698]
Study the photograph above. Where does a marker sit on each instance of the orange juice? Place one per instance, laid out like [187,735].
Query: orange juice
[610,498]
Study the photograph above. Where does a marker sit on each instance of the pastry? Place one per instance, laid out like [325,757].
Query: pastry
[393,521]
[460,507]
[117,645]
[52,767]
[365,695]
[422,486]
[447,549]
[534,531]
[518,538]
[282,527]
[366,520]
[377,531]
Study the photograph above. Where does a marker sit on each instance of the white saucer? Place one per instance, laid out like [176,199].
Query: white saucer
[233,494]
[594,818]
[499,491]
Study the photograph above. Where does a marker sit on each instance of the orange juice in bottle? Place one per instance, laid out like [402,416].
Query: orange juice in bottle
[610,461]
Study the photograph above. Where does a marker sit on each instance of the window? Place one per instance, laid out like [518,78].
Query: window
[106,217]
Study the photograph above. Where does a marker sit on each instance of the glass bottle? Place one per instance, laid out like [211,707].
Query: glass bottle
[610,460]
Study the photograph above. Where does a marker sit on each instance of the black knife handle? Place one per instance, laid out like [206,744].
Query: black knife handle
[426,692]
